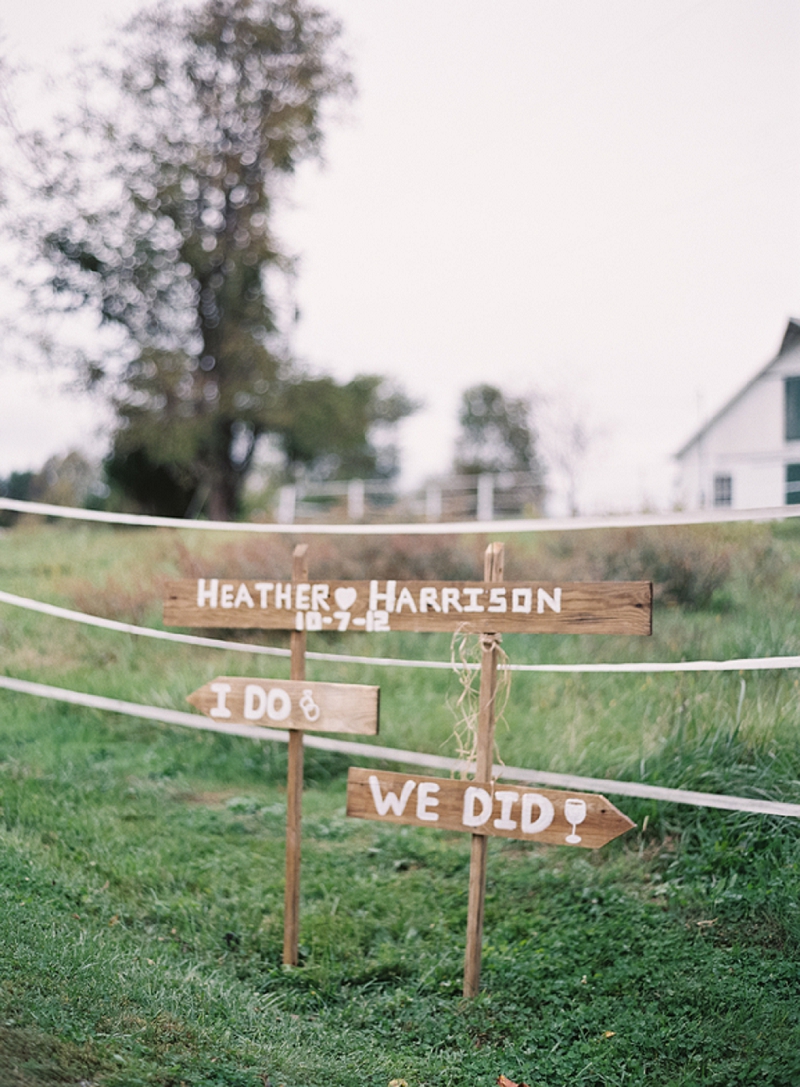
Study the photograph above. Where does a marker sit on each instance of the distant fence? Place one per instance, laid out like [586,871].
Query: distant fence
[482,497]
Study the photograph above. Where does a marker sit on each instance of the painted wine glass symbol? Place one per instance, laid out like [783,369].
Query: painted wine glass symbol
[574,813]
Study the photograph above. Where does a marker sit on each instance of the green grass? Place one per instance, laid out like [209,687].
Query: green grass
[141,867]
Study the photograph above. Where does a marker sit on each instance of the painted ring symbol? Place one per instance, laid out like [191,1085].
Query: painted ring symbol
[311,710]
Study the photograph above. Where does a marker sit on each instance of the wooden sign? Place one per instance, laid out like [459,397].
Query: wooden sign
[552,816]
[605,607]
[294,704]
[490,607]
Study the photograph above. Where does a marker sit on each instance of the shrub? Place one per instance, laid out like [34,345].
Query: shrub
[688,568]
[357,558]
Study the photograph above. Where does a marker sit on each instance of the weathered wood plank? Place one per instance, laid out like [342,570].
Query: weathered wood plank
[295,704]
[497,810]
[605,607]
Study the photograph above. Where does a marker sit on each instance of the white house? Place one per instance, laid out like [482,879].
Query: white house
[748,454]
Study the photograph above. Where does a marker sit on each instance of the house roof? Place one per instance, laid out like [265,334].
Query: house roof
[791,340]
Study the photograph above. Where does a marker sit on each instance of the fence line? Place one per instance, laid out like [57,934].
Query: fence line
[423,528]
[735,665]
[741,664]
[521,774]
[412,758]
[480,497]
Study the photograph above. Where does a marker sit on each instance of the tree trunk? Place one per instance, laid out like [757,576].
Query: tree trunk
[223,498]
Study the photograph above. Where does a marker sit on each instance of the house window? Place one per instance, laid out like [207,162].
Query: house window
[792,403]
[723,490]
[793,484]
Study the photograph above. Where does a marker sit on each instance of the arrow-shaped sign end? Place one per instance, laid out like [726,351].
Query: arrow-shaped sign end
[196,699]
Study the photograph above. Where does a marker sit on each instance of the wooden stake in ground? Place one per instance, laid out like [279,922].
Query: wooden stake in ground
[492,571]
[294,786]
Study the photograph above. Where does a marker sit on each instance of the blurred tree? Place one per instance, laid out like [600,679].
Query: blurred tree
[17,486]
[157,203]
[566,436]
[332,431]
[68,480]
[497,435]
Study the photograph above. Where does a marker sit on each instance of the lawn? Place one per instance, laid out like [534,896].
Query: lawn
[141,868]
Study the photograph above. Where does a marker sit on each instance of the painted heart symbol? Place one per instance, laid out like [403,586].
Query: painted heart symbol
[345,598]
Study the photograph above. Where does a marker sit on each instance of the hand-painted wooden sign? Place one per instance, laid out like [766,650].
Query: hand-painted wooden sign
[606,607]
[553,816]
[490,607]
[297,704]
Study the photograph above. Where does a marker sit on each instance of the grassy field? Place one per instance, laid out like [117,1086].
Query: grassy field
[141,866]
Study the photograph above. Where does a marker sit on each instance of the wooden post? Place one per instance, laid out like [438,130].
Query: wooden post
[492,571]
[294,786]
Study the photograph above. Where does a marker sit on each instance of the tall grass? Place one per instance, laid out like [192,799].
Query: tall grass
[141,867]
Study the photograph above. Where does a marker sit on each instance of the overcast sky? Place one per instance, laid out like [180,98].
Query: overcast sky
[595,200]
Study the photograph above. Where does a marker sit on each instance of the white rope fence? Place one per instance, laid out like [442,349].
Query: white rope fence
[743,664]
[420,528]
[410,758]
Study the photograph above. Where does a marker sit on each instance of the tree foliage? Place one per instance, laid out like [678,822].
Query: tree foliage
[155,212]
[497,433]
[68,480]
[344,422]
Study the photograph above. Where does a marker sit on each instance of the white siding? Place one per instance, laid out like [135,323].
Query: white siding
[746,442]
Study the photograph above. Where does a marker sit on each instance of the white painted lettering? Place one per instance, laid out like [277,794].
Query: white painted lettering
[475,795]
[376,620]
[264,588]
[553,602]
[545,806]
[473,595]
[243,597]
[319,597]
[507,798]
[313,620]
[450,600]
[279,705]
[207,595]
[226,595]
[345,597]
[521,600]
[387,597]
[427,599]
[283,595]
[255,702]
[497,599]
[391,802]
[220,690]
[301,596]
[425,801]
[405,599]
